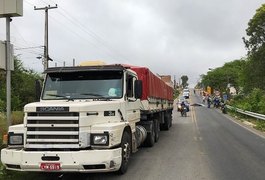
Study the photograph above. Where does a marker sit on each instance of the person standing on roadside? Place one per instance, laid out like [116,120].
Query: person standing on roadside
[209,100]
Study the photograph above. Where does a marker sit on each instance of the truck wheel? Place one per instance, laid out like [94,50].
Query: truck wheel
[170,120]
[126,144]
[157,130]
[150,138]
[166,124]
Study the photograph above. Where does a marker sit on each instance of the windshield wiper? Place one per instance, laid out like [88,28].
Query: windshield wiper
[93,94]
[62,96]
[97,97]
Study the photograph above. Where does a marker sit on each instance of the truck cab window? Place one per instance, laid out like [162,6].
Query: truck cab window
[129,85]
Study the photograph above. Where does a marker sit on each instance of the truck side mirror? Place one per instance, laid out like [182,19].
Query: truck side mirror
[138,90]
[37,89]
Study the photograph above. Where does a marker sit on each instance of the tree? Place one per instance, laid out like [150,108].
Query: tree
[184,80]
[229,73]
[256,31]
[22,87]
[254,74]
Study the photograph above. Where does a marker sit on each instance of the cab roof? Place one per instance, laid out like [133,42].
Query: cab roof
[116,67]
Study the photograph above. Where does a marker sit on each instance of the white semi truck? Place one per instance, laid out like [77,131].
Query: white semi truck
[90,119]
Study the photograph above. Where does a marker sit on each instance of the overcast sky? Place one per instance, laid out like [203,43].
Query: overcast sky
[176,37]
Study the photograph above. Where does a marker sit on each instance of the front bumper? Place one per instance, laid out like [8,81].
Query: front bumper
[70,161]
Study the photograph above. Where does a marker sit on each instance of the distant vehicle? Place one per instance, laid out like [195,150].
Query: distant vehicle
[186,90]
[186,94]
[183,111]
[184,108]
[180,100]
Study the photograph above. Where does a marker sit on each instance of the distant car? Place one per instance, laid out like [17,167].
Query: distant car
[186,95]
[186,90]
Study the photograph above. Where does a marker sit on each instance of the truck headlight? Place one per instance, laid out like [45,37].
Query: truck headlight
[15,139]
[100,139]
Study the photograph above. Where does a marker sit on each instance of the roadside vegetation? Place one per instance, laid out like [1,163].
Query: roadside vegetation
[246,75]
[22,92]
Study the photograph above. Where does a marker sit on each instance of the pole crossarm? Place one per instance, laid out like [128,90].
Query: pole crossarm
[46,7]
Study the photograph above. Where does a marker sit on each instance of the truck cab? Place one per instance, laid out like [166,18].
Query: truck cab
[82,111]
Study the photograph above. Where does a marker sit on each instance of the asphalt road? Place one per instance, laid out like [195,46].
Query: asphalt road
[206,145]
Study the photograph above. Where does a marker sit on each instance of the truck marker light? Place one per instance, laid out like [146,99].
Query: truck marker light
[5,138]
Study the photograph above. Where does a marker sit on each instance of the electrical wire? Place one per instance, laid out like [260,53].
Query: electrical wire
[29,47]
[88,31]
[99,42]
[28,2]
[90,43]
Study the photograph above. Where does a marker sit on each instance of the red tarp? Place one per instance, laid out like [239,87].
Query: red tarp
[153,86]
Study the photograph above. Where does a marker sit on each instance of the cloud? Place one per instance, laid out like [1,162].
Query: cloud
[176,37]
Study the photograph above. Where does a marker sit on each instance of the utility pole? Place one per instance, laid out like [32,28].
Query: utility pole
[46,53]
[9,8]
[73,61]
[174,83]
[8,73]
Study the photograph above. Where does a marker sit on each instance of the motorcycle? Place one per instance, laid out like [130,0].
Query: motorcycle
[223,108]
[183,111]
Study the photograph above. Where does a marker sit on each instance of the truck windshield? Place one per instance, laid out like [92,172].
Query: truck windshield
[83,85]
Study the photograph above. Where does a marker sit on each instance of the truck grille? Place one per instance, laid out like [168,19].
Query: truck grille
[52,130]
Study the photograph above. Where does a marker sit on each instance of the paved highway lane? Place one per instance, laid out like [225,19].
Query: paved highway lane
[177,155]
[233,151]
[206,145]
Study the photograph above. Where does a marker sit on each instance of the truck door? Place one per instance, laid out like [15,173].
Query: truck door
[132,104]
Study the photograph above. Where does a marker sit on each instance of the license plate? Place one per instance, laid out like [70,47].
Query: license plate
[50,166]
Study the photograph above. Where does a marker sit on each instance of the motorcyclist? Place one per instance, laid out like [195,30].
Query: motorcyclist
[223,106]
[184,105]
[216,101]
[209,101]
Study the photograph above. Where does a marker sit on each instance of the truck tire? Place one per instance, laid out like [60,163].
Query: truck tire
[170,120]
[150,138]
[166,125]
[157,130]
[126,144]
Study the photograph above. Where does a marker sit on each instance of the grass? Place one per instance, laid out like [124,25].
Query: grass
[15,175]
[3,127]
[17,118]
[259,124]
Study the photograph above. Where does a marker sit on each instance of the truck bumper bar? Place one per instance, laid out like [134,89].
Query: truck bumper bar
[65,161]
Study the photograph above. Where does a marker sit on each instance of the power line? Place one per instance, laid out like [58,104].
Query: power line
[82,37]
[90,33]
[99,42]
[29,47]
[28,2]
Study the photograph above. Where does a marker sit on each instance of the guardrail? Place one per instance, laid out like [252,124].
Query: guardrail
[252,114]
